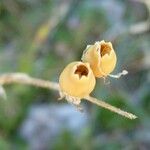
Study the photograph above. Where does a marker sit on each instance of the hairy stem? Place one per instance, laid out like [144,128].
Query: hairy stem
[110,107]
[22,78]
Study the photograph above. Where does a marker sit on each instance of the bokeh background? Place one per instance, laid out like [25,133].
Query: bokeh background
[40,37]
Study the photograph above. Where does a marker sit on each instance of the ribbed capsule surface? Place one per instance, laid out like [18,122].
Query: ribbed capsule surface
[77,79]
[101,57]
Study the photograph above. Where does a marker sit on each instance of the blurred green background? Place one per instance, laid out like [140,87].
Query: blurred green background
[40,37]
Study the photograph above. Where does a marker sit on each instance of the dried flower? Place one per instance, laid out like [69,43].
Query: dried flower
[101,57]
[77,79]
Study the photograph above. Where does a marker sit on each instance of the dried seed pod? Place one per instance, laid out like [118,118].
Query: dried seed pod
[77,79]
[101,57]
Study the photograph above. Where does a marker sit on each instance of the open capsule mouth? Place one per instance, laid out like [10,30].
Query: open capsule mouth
[105,49]
[81,70]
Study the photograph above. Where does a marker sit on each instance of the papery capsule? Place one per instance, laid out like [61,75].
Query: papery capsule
[102,58]
[77,79]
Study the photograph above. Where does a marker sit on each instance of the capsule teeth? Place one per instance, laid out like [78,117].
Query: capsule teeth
[88,46]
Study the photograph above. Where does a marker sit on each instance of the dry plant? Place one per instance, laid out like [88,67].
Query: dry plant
[22,78]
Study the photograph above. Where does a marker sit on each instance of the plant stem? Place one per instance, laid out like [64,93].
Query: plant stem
[110,107]
[22,78]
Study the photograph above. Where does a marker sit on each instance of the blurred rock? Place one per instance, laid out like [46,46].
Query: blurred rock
[45,122]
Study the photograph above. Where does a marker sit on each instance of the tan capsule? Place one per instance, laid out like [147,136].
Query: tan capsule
[77,79]
[102,58]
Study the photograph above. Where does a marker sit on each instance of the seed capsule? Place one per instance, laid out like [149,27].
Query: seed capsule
[101,57]
[77,79]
